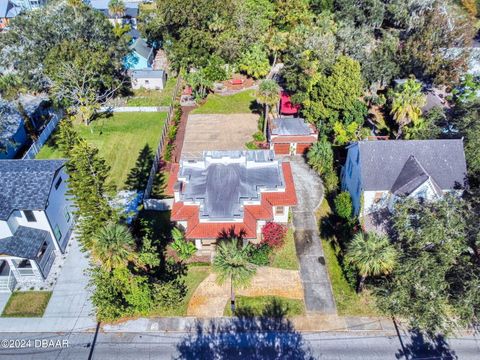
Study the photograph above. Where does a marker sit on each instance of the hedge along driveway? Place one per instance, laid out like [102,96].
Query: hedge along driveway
[120,140]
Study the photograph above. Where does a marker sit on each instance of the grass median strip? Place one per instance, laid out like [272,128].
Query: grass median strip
[269,306]
[27,304]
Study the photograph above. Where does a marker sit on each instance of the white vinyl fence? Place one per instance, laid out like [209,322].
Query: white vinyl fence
[42,139]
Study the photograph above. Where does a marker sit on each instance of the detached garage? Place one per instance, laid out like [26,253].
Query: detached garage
[290,136]
[148,79]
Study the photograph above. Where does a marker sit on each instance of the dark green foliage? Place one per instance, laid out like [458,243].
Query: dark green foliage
[343,205]
[260,255]
[172,132]
[435,284]
[168,294]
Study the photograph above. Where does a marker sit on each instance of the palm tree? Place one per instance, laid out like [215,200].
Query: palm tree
[320,156]
[232,263]
[407,103]
[117,8]
[113,247]
[372,254]
[268,94]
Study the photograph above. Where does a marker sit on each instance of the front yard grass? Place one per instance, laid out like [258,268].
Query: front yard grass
[195,275]
[240,103]
[286,256]
[266,306]
[27,304]
[122,140]
[348,302]
[144,97]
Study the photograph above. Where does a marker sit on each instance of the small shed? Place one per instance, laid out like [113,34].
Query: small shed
[148,79]
[286,105]
[290,136]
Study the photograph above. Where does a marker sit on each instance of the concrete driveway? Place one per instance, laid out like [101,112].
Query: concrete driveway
[217,132]
[316,283]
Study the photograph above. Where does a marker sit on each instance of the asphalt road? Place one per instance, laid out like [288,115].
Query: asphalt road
[212,345]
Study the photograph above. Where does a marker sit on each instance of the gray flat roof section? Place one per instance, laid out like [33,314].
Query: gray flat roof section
[290,126]
[222,187]
[148,74]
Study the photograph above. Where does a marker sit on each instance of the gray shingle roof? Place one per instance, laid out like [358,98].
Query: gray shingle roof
[382,161]
[290,126]
[148,74]
[25,184]
[141,47]
[25,243]
[221,186]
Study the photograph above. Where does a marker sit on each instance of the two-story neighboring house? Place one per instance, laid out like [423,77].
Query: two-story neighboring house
[36,219]
[379,173]
[231,190]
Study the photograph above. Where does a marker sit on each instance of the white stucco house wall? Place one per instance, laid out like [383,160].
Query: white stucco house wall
[148,79]
[36,219]
[377,174]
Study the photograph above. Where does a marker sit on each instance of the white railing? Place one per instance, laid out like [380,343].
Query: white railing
[42,139]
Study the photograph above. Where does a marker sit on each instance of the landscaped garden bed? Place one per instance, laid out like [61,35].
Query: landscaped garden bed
[27,304]
[127,142]
[270,306]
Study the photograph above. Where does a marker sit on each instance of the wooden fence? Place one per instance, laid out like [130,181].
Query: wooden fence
[158,155]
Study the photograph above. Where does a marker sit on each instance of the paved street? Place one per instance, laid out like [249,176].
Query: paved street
[247,345]
[316,283]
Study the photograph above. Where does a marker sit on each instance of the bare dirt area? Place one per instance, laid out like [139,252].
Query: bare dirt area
[217,132]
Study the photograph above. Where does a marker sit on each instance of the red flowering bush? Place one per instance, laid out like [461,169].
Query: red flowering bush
[273,234]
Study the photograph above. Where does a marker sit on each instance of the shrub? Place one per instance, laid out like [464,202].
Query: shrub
[258,136]
[343,205]
[260,255]
[330,181]
[167,295]
[273,234]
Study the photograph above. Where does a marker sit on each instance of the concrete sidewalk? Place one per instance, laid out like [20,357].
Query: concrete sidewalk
[312,323]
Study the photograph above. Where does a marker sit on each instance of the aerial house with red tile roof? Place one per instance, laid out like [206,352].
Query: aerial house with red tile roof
[231,191]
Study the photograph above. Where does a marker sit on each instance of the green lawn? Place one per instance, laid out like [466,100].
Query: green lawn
[349,303]
[196,274]
[143,97]
[121,139]
[27,304]
[270,306]
[242,102]
[286,256]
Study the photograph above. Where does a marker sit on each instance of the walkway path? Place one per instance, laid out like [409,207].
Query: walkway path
[209,299]
[316,283]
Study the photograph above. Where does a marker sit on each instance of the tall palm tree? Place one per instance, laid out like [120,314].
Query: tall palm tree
[268,94]
[232,263]
[407,104]
[117,8]
[113,247]
[320,156]
[372,254]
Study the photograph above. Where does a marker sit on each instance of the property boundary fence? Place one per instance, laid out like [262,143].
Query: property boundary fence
[42,139]
[147,202]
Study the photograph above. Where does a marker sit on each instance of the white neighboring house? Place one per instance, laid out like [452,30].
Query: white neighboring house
[36,219]
[379,173]
[148,79]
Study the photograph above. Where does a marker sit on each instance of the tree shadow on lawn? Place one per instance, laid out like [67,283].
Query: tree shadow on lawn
[255,107]
[270,336]
[421,347]
[138,177]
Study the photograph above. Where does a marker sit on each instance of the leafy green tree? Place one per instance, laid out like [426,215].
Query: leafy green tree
[407,102]
[255,62]
[435,283]
[200,83]
[10,86]
[428,127]
[53,28]
[113,247]
[268,94]
[185,249]
[343,205]
[372,254]
[232,263]
[467,90]
[335,94]
[361,13]
[320,158]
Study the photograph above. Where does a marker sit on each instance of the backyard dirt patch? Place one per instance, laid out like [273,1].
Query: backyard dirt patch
[210,298]
[217,132]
